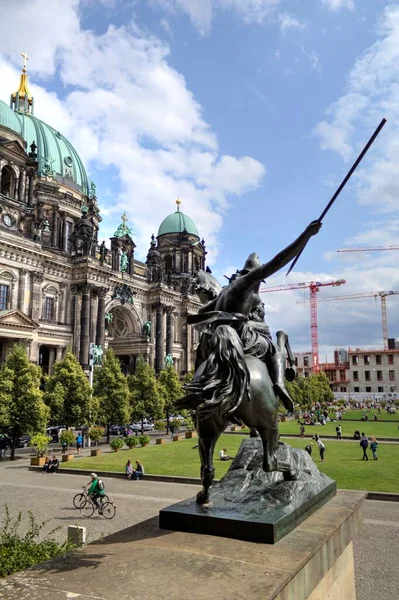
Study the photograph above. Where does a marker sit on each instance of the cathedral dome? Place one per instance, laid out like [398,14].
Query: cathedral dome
[178,222]
[53,149]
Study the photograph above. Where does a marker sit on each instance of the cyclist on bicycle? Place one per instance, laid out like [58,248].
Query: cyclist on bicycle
[96,490]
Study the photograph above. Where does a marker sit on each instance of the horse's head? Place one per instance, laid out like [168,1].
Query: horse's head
[206,286]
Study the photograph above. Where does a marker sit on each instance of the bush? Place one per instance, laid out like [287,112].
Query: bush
[21,551]
[131,441]
[189,423]
[95,434]
[116,444]
[175,424]
[39,443]
[67,437]
[159,425]
[144,440]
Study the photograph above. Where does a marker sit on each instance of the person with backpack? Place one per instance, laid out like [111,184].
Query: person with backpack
[364,443]
[79,442]
[96,490]
[373,447]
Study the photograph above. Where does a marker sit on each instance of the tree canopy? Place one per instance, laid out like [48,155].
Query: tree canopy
[68,393]
[22,410]
[145,397]
[112,391]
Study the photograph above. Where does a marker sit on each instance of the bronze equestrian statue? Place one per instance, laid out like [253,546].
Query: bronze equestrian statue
[232,381]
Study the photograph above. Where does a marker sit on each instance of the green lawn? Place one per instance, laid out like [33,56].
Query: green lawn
[356,414]
[376,428]
[342,462]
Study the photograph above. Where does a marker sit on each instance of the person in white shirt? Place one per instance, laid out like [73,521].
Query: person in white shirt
[322,448]
[223,455]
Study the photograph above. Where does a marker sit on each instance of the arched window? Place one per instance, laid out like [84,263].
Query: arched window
[7,181]
[50,296]
[168,264]
[7,281]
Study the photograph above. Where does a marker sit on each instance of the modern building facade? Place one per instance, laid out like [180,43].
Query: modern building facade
[373,373]
[59,287]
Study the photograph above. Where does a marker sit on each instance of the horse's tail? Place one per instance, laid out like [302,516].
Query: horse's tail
[225,378]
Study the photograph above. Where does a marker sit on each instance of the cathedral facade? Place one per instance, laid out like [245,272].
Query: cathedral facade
[59,287]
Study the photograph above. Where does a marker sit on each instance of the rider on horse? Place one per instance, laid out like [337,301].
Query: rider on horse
[239,304]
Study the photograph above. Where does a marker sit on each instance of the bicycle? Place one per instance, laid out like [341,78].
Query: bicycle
[107,509]
[80,499]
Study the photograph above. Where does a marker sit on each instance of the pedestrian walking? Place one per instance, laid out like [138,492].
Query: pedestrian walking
[338,429]
[302,430]
[364,443]
[373,447]
[322,448]
[79,442]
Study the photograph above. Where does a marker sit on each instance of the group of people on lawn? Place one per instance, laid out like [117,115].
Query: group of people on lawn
[134,474]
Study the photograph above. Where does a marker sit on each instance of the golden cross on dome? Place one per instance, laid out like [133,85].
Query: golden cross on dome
[124,219]
[25,57]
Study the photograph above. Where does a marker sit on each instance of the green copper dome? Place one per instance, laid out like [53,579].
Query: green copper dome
[177,223]
[54,151]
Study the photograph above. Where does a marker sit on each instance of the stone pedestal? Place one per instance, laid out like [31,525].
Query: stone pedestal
[313,562]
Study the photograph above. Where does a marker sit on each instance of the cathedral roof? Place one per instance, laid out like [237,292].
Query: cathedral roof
[178,222]
[52,147]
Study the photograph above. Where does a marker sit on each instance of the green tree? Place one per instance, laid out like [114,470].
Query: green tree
[112,391]
[171,390]
[145,397]
[324,391]
[22,410]
[68,393]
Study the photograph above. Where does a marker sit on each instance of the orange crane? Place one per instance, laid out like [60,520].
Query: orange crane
[314,287]
[375,249]
[383,296]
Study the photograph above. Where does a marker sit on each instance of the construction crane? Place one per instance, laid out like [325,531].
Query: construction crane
[383,296]
[375,249]
[314,287]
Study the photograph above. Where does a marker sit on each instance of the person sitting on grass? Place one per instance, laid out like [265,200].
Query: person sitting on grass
[129,469]
[139,471]
[96,490]
[224,456]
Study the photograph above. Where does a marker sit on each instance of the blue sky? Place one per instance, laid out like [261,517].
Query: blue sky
[252,111]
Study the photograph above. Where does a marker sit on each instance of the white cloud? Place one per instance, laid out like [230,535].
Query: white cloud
[202,12]
[372,91]
[336,5]
[127,109]
[287,21]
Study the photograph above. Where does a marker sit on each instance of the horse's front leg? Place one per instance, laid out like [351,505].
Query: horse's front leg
[209,432]
[269,436]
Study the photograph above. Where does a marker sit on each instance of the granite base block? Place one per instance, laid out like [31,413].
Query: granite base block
[251,505]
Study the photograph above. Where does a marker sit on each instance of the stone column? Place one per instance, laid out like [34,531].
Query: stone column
[58,353]
[22,289]
[51,358]
[54,228]
[36,295]
[169,331]
[61,318]
[75,317]
[21,185]
[100,337]
[93,314]
[85,327]
[159,339]
[30,190]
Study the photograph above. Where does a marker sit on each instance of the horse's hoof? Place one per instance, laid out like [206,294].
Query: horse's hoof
[202,498]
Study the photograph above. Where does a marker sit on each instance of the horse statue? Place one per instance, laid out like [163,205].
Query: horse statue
[240,370]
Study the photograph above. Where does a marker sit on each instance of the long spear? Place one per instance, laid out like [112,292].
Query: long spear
[343,184]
